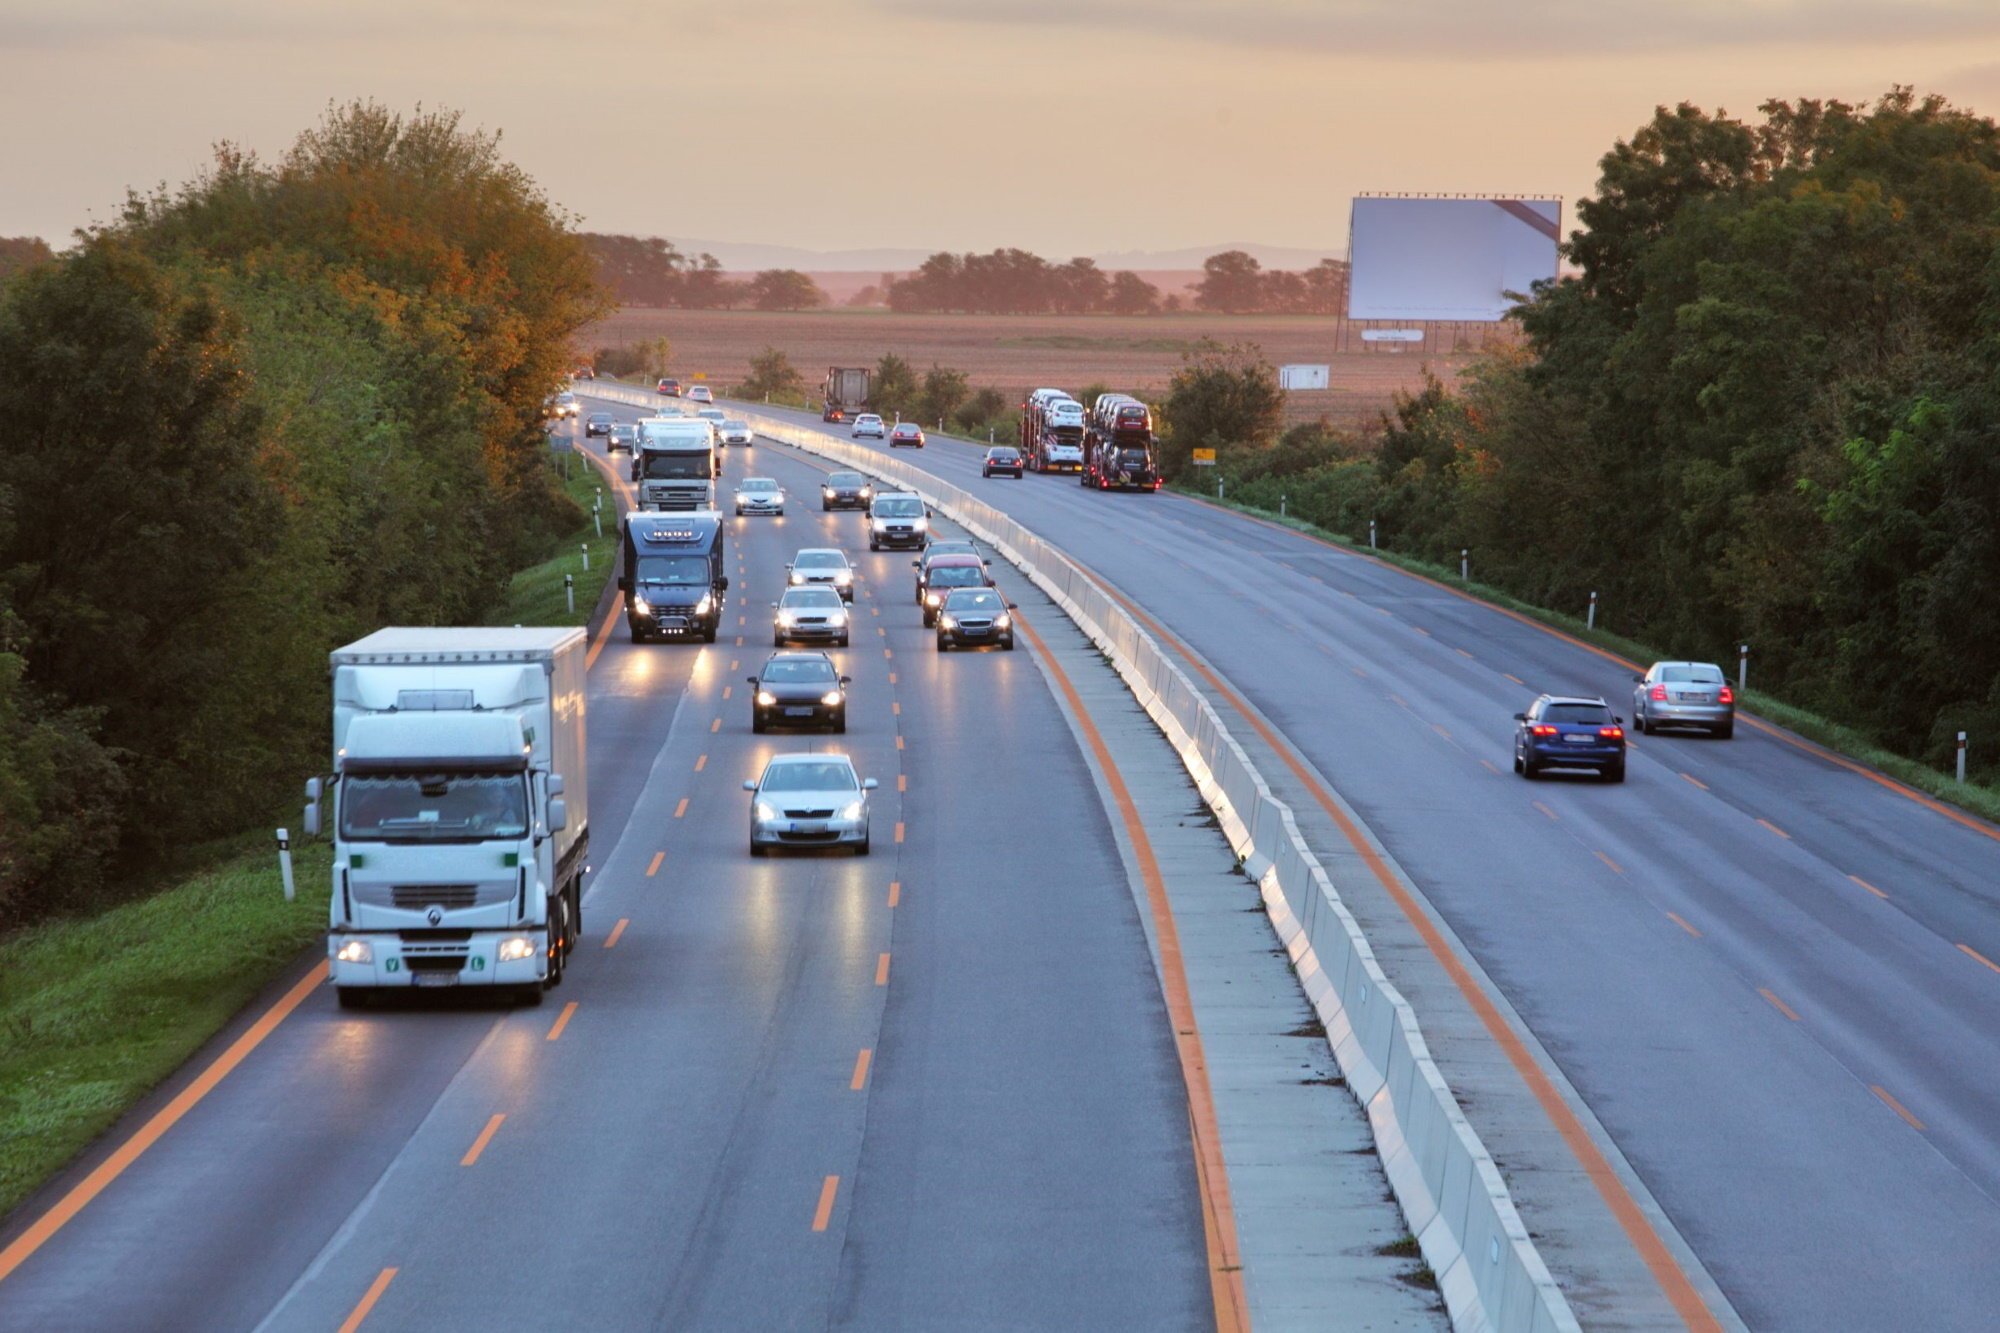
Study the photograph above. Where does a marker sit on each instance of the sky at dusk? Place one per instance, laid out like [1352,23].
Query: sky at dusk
[1063,126]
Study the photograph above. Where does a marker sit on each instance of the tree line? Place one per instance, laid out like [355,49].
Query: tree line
[650,271]
[254,417]
[1763,412]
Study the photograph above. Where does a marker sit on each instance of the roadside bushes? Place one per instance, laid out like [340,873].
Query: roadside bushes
[253,418]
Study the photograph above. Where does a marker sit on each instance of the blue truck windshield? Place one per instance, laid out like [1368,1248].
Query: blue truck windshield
[673,569]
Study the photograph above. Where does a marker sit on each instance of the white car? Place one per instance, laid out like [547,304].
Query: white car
[701,393]
[824,566]
[735,431]
[811,614]
[809,800]
[566,405]
[759,495]
[869,424]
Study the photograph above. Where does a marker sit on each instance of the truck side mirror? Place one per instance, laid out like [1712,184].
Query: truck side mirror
[558,815]
[311,820]
[723,583]
[556,784]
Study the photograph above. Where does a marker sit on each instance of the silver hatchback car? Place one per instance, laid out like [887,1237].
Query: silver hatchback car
[809,800]
[1684,694]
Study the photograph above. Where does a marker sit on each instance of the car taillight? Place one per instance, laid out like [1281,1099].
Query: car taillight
[1542,730]
[1658,694]
[1728,696]
[1612,733]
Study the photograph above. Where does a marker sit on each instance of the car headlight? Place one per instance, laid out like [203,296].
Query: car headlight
[787,617]
[831,698]
[797,578]
[878,524]
[517,949]
[852,810]
[705,605]
[843,578]
[836,618]
[642,606]
[946,622]
[921,524]
[355,951]
[766,813]
[932,598]
[827,489]
[765,698]
[1002,621]
[867,492]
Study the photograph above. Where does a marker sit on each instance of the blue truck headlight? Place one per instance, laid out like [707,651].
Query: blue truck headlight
[517,949]
[355,951]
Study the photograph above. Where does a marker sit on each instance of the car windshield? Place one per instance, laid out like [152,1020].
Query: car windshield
[797,670]
[673,569]
[810,775]
[667,467]
[982,600]
[736,425]
[433,807]
[624,431]
[709,414]
[866,420]
[1001,455]
[899,507]
[810,598]
[820,560]
[758,484]
[600,416]
[956,576]
[905,428]
[1578,715]
[1692,674]
[845,479]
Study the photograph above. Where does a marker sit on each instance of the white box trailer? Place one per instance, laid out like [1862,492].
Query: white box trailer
[675,463]
[460,809]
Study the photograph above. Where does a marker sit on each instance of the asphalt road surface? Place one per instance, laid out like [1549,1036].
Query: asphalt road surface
[1774,978]
[932,1086]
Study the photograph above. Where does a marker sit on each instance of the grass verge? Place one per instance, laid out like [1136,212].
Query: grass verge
[95,1011]
[1843,740]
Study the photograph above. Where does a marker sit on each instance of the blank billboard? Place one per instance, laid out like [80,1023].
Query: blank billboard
[1448,259]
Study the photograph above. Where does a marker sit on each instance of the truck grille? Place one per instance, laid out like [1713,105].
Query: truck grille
[416,897]
[435,962]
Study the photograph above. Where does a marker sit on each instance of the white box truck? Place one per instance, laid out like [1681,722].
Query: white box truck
[460,809]
[675,463]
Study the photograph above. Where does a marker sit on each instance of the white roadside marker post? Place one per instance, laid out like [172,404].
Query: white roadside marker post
[285,857]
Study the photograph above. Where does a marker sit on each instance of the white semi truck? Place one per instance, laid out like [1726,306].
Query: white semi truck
[460,809]
[676,463]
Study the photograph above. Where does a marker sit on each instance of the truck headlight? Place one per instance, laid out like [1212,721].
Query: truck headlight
[641,606]
[518,949]
[765,698]
[831,698]
[355,951]
[706,604]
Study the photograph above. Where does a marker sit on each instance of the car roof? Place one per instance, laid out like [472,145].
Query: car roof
[821,550]
[908,425]
[856,475]
[1575,699]
[761,481]
[798,655]
[960,592]
[955,559]
[808,758]
[898,495]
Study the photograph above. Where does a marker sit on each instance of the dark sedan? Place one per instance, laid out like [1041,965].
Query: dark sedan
[1001,460]
[624,435]
[845,490]
[798,690]
[597,423]
[1563,732]
[974,616]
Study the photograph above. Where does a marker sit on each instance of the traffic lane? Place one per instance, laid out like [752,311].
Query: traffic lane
[1528,893]
[1835,1086]
[285,1147]
[689,1109]
[745,1111]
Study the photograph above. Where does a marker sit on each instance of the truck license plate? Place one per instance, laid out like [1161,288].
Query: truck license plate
[433,978]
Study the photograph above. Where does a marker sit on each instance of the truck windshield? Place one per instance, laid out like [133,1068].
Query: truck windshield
[673,569]
[672,467]
[433,807]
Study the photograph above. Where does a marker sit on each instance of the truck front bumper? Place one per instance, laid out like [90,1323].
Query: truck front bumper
[385,959]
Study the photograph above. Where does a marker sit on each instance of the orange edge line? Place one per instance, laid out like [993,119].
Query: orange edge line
[1218,1214]
[368,1299]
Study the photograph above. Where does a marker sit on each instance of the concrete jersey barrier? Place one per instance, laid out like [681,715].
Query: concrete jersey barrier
[1488,1270]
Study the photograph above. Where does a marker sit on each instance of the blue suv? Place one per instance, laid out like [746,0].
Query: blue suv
[1558,731]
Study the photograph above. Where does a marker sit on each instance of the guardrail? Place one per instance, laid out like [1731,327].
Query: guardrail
[1450,1191]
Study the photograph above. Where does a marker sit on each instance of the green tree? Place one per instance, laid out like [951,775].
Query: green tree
[1232,283]
[1221,397]
[894,389]
[22,252]
[772,372]
[1132,295]
[785,289]
[944,390]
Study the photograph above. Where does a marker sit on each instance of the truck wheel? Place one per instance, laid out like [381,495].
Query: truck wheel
[708,635]
[558,908]
[575,912]
[353,997]
[529,996]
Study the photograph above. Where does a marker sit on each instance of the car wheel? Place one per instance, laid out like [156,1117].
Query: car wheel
[826,507]
[1639,720]
[777,640]
[757,723]
[757,848]
[843,640]
[874,546]
[1008,643]
[943,643]
[1530,769]
[781,511]
[1517,761]
[929,619]
[1725,731]
[840,725]
[1615,773]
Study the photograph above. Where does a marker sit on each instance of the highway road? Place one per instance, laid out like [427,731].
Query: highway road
[1772,976]
[936,1085]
